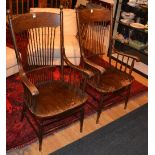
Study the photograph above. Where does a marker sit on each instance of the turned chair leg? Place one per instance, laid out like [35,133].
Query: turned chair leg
[40,139]
[98,115]
[127,97]
[99,110]
[126,102]
[81,119]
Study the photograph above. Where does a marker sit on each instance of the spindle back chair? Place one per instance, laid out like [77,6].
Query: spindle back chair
[51,91]
[95,39]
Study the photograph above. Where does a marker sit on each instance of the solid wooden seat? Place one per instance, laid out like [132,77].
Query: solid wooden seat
[52,100]
[112,80]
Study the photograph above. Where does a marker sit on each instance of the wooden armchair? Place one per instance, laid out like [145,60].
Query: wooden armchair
[95,39]
[52,92]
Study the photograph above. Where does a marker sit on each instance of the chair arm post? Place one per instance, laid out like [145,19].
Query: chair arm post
[86,72]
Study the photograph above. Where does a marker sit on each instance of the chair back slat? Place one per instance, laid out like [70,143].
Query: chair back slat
[22,7]
[28,5]
[40,45]
[17,6]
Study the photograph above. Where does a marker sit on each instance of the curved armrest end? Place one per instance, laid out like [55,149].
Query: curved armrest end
[31,87]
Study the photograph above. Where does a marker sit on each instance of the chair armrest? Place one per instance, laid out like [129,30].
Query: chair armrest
[94,66]
[30,86]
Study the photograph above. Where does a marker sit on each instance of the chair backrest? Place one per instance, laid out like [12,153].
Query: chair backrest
[94,30]
[34,37]
[100,3]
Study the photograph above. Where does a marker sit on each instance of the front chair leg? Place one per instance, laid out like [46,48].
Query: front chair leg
[126,102]
[127,97]
[98,115]
[99,110]
[81,119]
[40,139]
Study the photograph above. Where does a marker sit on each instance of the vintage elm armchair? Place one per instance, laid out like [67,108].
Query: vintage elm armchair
[51,92]
[95,39]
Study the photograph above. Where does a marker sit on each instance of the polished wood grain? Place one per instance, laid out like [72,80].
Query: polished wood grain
[35,20]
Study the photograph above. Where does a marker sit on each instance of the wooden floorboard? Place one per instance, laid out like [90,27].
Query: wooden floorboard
[71,133]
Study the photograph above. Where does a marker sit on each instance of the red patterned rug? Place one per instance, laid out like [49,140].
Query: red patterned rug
[20,133]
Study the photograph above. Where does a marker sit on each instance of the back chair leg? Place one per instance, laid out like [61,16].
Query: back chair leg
[23,112]
[81,119]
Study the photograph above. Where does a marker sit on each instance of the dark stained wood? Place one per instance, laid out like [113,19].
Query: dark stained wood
[35,20]
[19,6]
[112,80]
[23,6]
[42,3]
[102,3]
[47,98]
[94,27]
[55,3]
[97,15]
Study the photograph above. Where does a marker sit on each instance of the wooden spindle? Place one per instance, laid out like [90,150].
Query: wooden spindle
[33,4]
[53,38]
[17,7]
[126,64]
[10,6]
[122,62]
[28,5]
[131,68]
[22,6]
[117,61]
